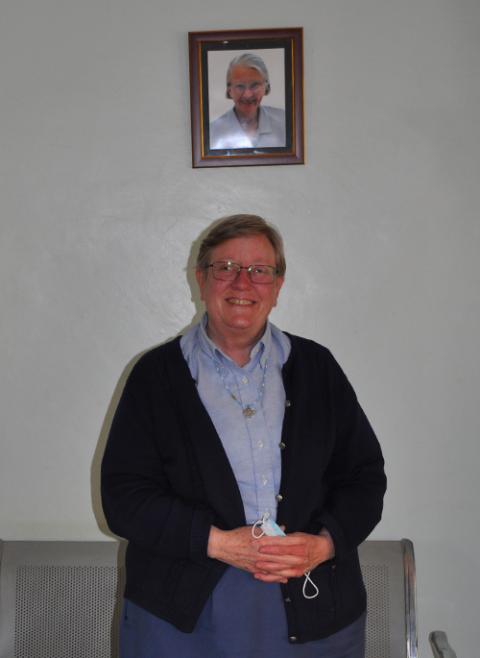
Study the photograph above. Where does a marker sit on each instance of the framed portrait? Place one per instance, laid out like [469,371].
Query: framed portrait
[246,94]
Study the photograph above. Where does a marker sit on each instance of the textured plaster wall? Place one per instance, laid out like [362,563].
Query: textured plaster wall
[99,208]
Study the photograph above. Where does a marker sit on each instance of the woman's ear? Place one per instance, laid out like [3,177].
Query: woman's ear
[200,275]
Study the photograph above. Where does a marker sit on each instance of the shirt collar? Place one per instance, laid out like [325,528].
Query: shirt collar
[261,349]
[264,123]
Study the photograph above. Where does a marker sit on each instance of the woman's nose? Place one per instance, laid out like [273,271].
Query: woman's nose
[242,280]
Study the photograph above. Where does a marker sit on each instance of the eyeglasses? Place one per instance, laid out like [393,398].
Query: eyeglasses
[240,88]
[227,270]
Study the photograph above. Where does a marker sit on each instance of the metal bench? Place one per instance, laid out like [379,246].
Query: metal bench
[61,599]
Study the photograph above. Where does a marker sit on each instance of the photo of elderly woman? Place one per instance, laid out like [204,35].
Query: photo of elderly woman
[250,122]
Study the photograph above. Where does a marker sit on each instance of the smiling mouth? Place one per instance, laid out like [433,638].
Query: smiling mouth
[239,302]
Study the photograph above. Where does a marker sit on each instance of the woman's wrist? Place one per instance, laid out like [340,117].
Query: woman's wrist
[214,539]
[331,546]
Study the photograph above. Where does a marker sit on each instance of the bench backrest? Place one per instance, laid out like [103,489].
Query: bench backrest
[61,599]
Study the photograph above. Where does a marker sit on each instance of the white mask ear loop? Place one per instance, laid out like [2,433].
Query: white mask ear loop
[257,531]
[258,526]
[304,588]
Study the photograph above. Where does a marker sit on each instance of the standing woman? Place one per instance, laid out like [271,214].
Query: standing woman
[220,432]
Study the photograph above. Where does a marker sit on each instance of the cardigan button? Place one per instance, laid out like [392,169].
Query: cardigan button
[279,498]
[287,599]
[282,445]
[288,403]
[293,638]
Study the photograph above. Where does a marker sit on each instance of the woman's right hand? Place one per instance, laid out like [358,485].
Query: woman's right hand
[237,548]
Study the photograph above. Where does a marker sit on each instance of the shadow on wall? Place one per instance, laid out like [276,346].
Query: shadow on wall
[95,469]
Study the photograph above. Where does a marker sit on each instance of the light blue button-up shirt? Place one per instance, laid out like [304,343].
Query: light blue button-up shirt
[252,444]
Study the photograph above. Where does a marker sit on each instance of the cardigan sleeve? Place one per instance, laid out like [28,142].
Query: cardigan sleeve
[138,500]
[355,476]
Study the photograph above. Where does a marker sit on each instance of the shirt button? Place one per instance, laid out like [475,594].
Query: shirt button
[260,444]
[244,380]
[264,481]
[279,498]
[293,638]
[281,445]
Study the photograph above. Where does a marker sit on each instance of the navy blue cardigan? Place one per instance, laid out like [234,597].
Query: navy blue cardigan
[166,479]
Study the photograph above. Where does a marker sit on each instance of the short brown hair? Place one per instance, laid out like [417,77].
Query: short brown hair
[237,226]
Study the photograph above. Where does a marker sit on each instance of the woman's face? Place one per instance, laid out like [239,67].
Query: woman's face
[239,309]
[246,89]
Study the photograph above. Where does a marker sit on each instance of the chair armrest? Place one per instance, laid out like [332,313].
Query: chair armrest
[440,645]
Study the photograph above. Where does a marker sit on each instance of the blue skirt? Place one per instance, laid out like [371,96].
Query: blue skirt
[243,618]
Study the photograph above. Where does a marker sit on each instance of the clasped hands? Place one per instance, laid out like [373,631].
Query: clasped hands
[270,559]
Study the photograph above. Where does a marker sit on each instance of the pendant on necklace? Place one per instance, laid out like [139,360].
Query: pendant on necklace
[248,412]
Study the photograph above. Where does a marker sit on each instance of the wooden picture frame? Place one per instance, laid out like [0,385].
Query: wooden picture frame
[246,94]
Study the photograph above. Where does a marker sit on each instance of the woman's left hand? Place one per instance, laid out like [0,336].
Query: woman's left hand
[291,556]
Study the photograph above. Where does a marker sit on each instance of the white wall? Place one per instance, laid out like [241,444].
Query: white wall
[99,207]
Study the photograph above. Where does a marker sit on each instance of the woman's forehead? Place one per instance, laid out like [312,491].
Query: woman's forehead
[251,247]
[241,72]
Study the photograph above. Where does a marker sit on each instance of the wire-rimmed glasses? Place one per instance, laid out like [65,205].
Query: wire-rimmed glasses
[228,270]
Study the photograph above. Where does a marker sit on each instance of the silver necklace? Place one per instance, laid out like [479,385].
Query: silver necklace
[248,410]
